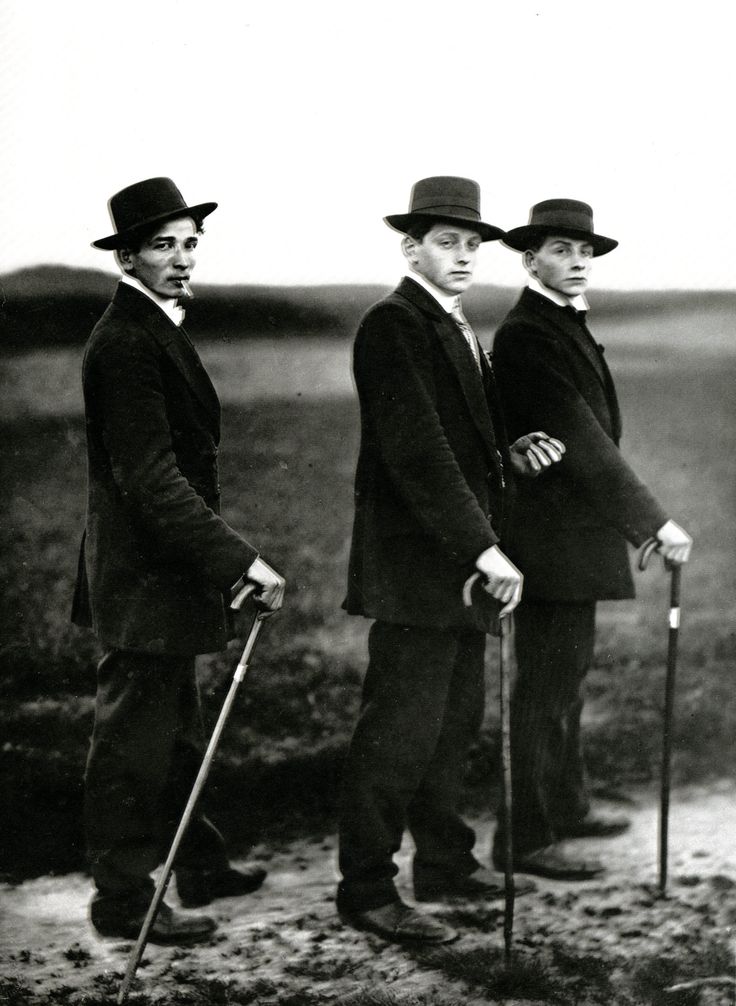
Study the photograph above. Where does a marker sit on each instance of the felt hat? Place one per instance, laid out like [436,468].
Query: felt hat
[445,198]
[568,217]
[142,204]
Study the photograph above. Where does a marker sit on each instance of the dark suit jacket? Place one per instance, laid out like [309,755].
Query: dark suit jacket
[570,526]
[157,557]
[429,480]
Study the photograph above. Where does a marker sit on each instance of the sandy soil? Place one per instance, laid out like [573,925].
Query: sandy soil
[607,941]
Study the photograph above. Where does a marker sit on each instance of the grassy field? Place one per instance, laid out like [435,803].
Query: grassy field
[290,439]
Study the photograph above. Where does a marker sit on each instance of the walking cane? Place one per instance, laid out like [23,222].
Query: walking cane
[504,664]
[504,628]
[158,894]
[669,701]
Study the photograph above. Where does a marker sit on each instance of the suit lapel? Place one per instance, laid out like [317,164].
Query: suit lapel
[558,317]
[582,342]
[460,359]
[174,341]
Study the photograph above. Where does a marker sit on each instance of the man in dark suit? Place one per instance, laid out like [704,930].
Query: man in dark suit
[569,533]
[156,568]
[429,494]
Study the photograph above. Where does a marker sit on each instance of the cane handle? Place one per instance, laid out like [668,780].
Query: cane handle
[242,595]
[646,552]
[468,588]
[468,593]
[653,546]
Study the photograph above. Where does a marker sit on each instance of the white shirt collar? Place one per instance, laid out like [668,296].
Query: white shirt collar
[167,304]
[446,301]
[578,301]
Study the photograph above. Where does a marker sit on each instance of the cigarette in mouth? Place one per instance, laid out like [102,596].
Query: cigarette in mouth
[185,288]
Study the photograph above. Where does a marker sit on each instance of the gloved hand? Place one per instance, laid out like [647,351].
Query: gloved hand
[674,543]
[501,579]
[270,585]
[531,454]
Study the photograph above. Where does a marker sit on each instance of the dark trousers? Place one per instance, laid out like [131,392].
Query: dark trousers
[422,707]
[554,650]
[144,756]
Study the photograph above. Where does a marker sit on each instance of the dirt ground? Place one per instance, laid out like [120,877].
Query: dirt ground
[611,940]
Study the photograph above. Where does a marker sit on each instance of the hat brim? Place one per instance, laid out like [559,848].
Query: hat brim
[520,238]
[200,211]
[402,222]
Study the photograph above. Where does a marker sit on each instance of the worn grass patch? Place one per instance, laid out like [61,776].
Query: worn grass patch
[652,974]
[483,970]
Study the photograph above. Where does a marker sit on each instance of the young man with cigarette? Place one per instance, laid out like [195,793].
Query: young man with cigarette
[156,568]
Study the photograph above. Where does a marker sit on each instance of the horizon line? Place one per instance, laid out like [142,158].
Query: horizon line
[297,284]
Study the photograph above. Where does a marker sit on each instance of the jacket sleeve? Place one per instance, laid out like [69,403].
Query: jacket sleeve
[396,383]
[130,404]
[535,383]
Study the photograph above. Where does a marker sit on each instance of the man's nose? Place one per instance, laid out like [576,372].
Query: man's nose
[183,258]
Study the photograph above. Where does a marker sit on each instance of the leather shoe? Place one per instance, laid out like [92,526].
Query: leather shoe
[168,927]
[551,861]
[399,923]
[595,825]
[199,887]
[480,884]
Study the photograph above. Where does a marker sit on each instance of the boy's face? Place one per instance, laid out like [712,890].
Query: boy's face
[445,256]
[165,260]
[562,264]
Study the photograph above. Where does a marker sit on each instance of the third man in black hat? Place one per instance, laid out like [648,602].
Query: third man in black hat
[569,532]
[429,498]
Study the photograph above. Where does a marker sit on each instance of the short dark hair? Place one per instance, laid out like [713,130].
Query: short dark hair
[535,243]
[419,229]
[133,241]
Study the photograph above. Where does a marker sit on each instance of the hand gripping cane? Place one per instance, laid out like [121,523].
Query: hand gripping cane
[669,700]
[158,894]
[502,628]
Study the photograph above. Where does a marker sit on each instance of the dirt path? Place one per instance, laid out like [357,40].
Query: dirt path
[602,942]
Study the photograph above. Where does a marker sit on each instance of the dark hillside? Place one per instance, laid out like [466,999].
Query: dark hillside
[57,306]
[54,305]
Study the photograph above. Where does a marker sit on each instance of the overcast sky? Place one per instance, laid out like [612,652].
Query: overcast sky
[309,121]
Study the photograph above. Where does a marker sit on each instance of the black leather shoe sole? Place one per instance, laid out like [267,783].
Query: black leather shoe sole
[182,933]
[199,890]
[403,926]
[557,868]
[471,893]
[593,830]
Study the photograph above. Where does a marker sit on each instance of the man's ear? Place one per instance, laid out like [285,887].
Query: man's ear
[409,248]
[124,258]
[530,262]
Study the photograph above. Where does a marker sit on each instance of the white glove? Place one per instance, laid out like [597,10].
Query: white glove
[270,585]
[531,454]
[501,579]
[674,543]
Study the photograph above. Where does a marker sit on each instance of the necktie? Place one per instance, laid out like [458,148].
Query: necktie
[462,323]
[580,318]
[577,315]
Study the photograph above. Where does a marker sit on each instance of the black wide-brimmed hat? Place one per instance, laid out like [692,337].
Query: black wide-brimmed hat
[151,201]
[445,198]
[559,216]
